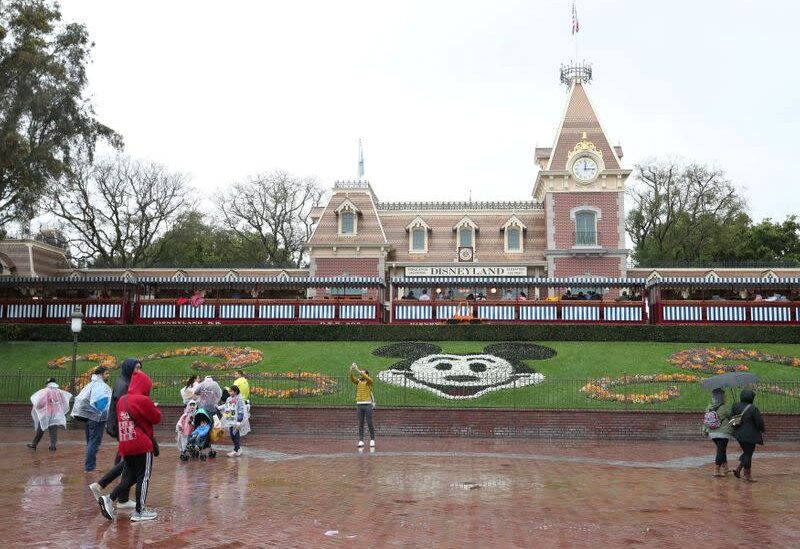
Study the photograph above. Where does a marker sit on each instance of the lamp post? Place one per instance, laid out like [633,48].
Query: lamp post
[75,326]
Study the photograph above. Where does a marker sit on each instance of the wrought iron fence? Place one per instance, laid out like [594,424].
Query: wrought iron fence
[407,389]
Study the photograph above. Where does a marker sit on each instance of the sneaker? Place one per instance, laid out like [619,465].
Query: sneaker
[96,490]
[31,446]
[106,507]
[360,443]
[238,453]
[130,504]
[372,443]
[143,515]
[231,454]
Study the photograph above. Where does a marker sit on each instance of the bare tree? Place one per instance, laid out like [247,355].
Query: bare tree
[116,210]
[272,210]
[680,211]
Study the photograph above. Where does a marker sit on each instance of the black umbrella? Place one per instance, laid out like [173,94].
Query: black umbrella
[731,379]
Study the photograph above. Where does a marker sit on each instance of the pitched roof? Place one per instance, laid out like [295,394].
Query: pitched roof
[370,230]
[579,117]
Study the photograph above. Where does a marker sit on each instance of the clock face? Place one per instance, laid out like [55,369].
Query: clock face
[465,254]
[585,169]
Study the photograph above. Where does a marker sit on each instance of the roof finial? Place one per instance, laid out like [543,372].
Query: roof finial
[579,73]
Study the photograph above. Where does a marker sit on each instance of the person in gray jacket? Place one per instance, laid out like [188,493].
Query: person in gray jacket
[722,433]
[748,433]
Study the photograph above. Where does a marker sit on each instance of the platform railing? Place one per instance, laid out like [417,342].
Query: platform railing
[571,311]
[727,312]
[256,311]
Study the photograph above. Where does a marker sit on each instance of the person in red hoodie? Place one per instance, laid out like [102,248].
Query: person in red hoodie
[136,415]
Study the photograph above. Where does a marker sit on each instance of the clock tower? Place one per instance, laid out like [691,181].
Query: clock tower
[581,184]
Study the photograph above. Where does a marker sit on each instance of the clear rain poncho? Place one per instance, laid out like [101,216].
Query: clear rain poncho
[50,407]
[93,400]
[208,393]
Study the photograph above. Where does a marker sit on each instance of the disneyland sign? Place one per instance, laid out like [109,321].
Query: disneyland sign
[496,270]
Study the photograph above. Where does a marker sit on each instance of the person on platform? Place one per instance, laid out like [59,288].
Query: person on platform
[424,296]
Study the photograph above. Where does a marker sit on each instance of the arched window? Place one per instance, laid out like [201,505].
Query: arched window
[585,228]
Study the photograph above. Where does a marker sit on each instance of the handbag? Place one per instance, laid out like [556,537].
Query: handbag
[736,420]
[156,449]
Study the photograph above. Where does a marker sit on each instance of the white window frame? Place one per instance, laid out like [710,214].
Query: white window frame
[466,223]
[514,224]
[416,225]
[598,215]
[347,207]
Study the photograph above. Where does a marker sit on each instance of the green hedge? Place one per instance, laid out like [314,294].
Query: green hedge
[373,332]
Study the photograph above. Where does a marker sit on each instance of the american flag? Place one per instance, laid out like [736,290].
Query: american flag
[575,25]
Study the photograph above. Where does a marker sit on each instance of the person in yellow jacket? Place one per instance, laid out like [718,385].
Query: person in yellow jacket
[241,382]
[364,402]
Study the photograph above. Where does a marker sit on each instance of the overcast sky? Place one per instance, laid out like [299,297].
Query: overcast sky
[447,96]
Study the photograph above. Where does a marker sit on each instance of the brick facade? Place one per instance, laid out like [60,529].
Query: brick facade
[608,221]
[478,423]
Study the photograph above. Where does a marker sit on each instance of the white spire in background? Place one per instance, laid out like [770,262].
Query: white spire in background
[360,160]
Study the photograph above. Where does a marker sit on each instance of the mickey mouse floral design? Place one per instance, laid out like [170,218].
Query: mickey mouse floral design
[462,376]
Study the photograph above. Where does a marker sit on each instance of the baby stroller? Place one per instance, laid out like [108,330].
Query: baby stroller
[200,439]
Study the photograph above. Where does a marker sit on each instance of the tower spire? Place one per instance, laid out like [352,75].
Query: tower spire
[360,160]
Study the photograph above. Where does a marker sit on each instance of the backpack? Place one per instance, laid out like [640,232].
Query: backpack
[711,420]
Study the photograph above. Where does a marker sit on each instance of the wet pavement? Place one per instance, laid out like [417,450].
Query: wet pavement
[411,492]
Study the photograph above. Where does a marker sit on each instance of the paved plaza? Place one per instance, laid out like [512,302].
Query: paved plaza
[411,492]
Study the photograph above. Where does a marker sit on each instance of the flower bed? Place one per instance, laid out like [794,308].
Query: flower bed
[321,385]
[102,359]
[708,359]
[232,357]
[600,389]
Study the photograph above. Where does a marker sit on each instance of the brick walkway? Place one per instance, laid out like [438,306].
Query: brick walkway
[412,492]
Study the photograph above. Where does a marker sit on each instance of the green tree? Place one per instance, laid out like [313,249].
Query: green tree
[193,242]
[45,116]
[772,241]
[684,213]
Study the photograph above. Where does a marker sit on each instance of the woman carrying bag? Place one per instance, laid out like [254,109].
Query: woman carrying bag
[748,432]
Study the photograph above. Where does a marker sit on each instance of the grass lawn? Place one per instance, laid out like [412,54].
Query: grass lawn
[23,368]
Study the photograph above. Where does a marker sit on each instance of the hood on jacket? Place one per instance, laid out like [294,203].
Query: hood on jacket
[140,384]
[747,396]
[128,366]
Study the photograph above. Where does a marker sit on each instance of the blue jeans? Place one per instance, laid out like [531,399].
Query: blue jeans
[94,436]
[236,437]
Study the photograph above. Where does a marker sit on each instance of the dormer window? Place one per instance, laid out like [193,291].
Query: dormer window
[513,229]
[465,230]
[348,218]
[418,236]
[348,221]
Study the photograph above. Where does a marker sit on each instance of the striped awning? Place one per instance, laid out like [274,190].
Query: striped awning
[262,281]
[516,281]
[198,281]
[739,282]
[66,281]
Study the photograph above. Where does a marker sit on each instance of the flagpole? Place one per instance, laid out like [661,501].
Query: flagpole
[360,160]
